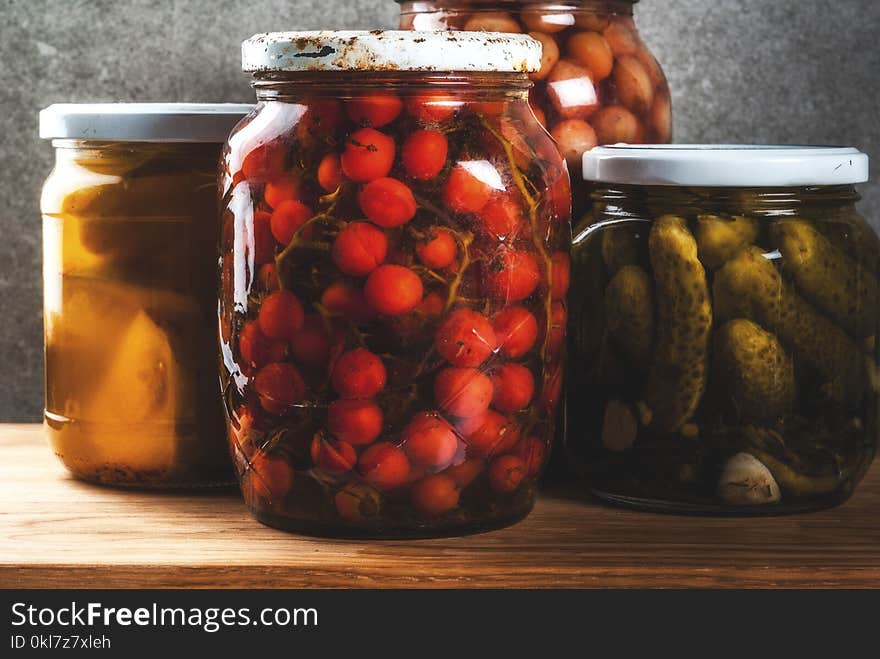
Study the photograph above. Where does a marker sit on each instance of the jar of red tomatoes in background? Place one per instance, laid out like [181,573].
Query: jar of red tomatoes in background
[598,83]
[394,264]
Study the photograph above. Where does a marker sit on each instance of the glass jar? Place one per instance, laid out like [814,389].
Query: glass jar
[129,268]
[394,260]
[724,333]
[598,83]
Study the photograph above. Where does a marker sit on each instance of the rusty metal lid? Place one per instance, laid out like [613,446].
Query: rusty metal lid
[390,50]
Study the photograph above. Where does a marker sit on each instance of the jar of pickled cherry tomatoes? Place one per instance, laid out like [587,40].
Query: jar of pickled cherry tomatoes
[394,262]
[129,274]
[598,83]
[724,337]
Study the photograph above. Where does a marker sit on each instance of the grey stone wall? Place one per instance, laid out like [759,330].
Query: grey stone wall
[794,71]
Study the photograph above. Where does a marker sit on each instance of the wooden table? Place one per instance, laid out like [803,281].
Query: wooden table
[58,532]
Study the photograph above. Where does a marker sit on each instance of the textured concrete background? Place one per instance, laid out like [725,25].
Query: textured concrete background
[795,71]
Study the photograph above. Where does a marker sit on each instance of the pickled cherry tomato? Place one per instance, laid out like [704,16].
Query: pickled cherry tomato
[387,202]
[279,387]
[590,50]
[516,330]
[287,218]
[330,172]
[492,21]
[375,111]
[264,162]
[560,275]
[465,338]
[429,441]
[264,242]
[311,345]
[333,457]
[433,108]
[359,248]
[438,251]
[384,466]
[393,290]
[506,473]
[621,39]
[574,137]
[514,386]
[358,373]
[424,154]
[256,349]
[549,54]
[615,124]
[464,192]
[358,422]
[269,477]
[347,301]
[633,84]
[368,155]
[512,276]
[281,189]
[324,116]
[463,392]
[533,452]
[541,20]
[281,315]
[466,472]
[501,218]
[489,433]
[435,495]
[571,90]
[357,503]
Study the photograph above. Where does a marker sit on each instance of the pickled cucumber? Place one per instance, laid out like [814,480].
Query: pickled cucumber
[752,367]
[749,286]
[139,400]
[621,246]
[828,277]
[677,376]
[805,471]
[720,238]
[629,308]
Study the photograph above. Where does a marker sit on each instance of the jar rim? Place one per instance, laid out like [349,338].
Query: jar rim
[142,122]
[725,165]
[390,50]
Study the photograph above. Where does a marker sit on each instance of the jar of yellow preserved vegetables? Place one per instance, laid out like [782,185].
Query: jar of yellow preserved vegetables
[129,262]
[724,330]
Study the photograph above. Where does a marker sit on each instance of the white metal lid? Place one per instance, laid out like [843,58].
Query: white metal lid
[142,122]
[725,165]
[390,50]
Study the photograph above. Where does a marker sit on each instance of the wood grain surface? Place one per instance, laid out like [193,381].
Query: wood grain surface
[58,532]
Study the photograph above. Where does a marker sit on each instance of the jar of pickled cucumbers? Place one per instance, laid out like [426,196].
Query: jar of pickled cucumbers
[394,262]
[598,83]
[724,334]
[129,272]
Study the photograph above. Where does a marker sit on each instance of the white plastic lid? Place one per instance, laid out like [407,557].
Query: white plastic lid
[390,50]
[725,165]
[142,122]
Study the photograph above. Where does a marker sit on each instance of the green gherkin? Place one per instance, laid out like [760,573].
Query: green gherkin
[749,286]
[752,366]
[838,285]
[629,309]
[720,238]
[677,377]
